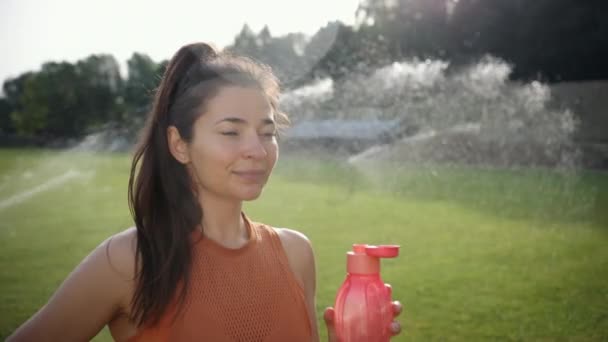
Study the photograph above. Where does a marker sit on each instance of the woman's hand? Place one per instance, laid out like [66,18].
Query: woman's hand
[328,316]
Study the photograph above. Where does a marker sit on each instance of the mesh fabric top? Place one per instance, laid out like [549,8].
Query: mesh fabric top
[244,294]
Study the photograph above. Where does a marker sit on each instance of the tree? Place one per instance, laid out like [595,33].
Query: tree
[63,100]
[6,124]
[552,39]
[102,84]
[50,103]
[411,27]
[264,37]
[246,43]
[143,78]
[13,90]
[352,50]
[283,54]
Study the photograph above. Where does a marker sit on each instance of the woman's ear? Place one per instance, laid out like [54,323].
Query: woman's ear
[177,146]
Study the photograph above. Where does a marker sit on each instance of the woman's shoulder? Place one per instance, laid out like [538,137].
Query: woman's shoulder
[299,251]
[293,239]
[115,256]
[117,262]
[113,260]
[120,252]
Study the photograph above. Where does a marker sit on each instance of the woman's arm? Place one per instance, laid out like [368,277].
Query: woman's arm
[89,298]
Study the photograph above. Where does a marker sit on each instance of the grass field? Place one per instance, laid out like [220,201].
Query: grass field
[486,254]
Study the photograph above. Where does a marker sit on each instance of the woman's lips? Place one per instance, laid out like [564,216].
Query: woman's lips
[251,175]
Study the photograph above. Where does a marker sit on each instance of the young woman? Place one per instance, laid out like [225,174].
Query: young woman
[195,267]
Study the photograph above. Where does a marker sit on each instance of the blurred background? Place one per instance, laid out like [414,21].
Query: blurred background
[474,133]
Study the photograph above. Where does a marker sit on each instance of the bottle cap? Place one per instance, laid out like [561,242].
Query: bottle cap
[383,251]
[365,259]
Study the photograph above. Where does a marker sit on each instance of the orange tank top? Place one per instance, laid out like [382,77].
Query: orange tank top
[245,294]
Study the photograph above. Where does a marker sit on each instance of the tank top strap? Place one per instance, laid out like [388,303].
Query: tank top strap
[272,237]
[281,255]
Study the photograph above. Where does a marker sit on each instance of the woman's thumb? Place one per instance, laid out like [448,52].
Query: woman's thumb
[329,316]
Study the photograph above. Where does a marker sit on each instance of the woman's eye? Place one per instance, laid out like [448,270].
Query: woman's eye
[269,134]
[230,133]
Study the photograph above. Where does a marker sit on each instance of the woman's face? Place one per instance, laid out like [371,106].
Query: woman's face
[234,147]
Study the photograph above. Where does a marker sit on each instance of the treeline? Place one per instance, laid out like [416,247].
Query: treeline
[65,100]
[547,40]
[551,40]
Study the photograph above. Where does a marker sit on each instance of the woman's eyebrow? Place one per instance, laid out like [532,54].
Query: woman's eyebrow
[268,122]
[232,120]
[236,120]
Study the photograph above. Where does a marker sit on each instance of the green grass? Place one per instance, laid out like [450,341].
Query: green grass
[486,254]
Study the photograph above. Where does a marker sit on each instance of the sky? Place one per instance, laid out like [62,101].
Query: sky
[36,31]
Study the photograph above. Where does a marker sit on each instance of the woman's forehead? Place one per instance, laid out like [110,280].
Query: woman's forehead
[239,101]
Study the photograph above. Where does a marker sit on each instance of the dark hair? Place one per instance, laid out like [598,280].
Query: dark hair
[161,196]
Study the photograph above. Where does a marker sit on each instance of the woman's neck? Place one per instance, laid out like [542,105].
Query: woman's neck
[222,221]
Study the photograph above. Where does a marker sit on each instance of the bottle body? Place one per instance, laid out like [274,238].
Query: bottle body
[363,309]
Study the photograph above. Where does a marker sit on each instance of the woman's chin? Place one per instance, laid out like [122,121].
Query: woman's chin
[250,195]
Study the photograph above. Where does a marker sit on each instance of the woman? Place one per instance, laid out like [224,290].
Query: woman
[194,267]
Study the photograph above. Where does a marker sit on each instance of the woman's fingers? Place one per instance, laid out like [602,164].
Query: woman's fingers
[329,316]
[397,308]
[395,328]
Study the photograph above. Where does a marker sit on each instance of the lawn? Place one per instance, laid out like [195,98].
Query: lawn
[486,254]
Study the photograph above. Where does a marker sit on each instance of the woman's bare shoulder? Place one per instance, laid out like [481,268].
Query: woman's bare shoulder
[299,251]
[291,238]
[120,251]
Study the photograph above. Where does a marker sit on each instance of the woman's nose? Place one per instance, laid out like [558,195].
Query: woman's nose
[254,148]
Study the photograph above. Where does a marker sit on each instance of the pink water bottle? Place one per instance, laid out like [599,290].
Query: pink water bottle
[363,308]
